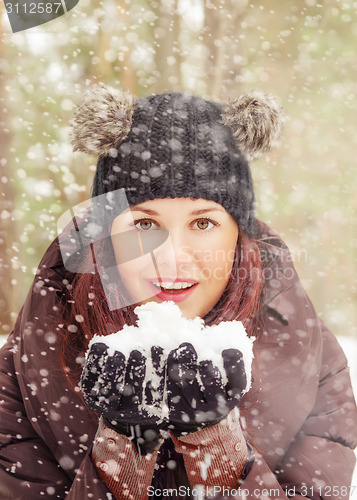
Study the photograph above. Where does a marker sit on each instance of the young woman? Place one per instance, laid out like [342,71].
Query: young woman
[172,219]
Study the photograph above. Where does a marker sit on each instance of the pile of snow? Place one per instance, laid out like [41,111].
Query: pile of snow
[162,324]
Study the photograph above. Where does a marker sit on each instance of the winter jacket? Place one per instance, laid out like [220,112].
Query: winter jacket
[300,414]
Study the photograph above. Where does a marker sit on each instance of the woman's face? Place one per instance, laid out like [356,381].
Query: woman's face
[191,266]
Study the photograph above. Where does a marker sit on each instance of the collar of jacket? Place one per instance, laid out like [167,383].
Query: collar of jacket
[279,273]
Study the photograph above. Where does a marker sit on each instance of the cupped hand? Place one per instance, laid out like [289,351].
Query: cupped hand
[198,394]
[116,388]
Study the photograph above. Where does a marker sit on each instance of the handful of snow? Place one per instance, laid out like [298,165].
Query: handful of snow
[162,324]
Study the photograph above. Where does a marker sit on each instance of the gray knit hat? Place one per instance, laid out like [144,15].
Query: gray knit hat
[177,145]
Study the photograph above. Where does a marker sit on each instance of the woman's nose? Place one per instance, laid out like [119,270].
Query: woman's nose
[175,252]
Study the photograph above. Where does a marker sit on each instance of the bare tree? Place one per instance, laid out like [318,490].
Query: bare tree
[7,230]
[168,56]
[220,32]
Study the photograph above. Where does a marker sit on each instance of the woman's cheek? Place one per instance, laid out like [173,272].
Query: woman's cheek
[132,275]
[221,271]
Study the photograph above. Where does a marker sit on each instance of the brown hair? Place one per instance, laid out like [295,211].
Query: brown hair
[89,313]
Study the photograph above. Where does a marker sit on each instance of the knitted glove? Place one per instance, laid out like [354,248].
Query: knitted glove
[113,387]
[197,395]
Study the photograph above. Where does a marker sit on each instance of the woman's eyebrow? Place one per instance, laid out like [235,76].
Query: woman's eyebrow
[204,210]
[200,211]
[137,208]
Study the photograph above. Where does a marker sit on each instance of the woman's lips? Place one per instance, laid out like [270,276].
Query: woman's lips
[174,294]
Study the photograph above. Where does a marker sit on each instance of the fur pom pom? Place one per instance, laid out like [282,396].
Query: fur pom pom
[102,120]
[256,120]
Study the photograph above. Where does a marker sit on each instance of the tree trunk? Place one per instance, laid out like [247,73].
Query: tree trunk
[7,229]
[220,34]
[168,57]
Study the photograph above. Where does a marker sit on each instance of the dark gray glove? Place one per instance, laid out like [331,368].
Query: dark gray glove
[197,396]
[113,387]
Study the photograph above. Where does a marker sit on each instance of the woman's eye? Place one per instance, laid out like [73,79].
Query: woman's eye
[204,224]
[145,224]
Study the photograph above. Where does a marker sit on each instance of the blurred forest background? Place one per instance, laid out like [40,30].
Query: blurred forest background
[302,51]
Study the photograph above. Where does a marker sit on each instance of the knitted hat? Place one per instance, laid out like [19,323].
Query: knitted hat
[177,145]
